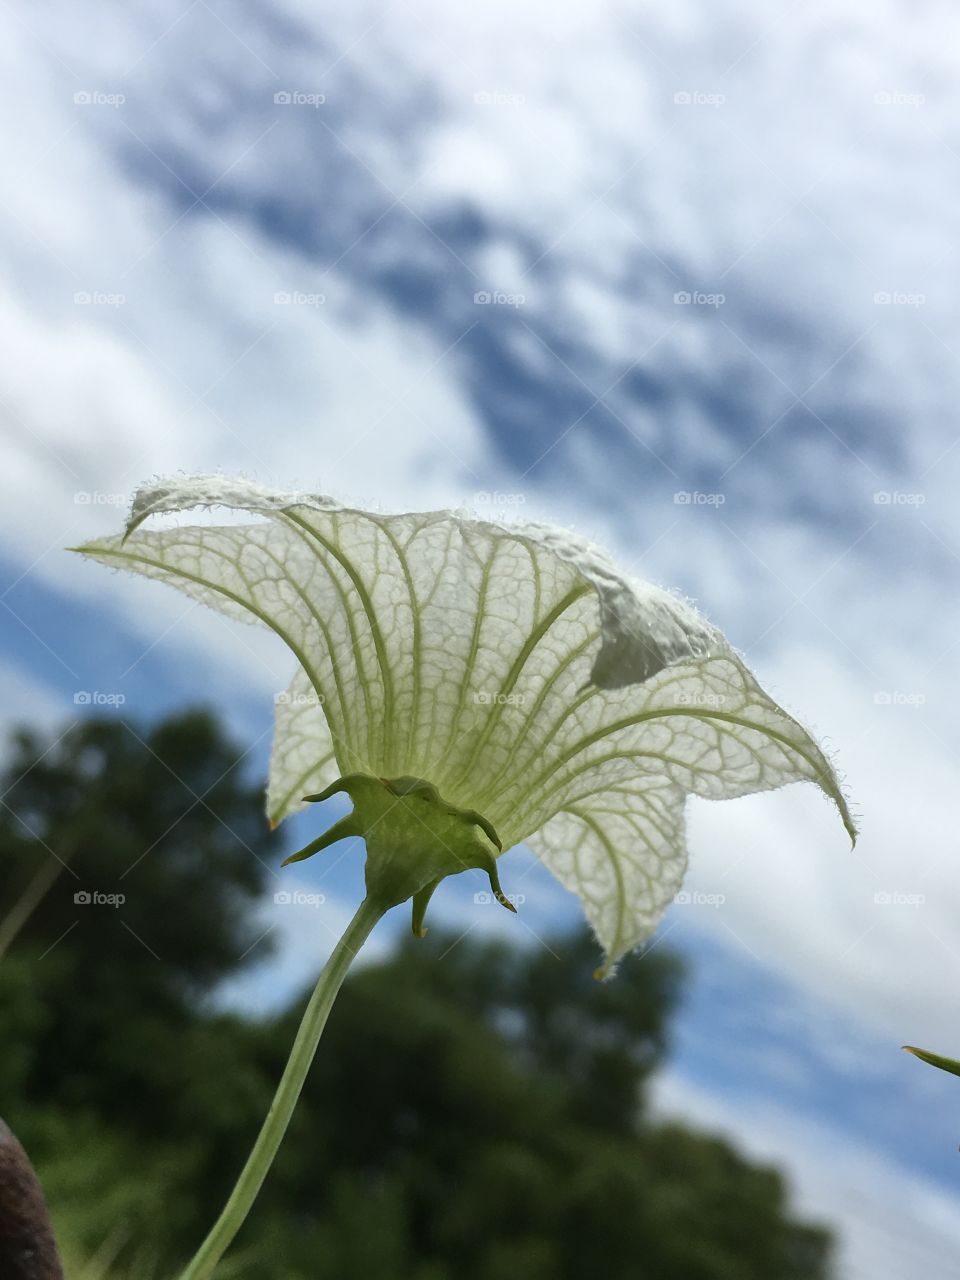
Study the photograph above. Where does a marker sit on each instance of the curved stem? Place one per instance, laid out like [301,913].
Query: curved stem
[285,1099]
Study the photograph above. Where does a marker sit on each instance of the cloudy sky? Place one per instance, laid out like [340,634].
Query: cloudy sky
[682,277]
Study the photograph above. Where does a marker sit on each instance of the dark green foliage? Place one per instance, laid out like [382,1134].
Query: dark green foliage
[163,818]
[476,1112]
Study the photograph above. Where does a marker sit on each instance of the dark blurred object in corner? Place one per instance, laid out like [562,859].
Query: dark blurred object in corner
[27,1247]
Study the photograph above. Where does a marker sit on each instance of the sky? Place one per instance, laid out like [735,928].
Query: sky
[680,277]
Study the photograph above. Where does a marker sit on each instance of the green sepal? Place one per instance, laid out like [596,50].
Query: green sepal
[414,839]
[342,784]
[410,786]
[490,868]
[420,901]
[339,831]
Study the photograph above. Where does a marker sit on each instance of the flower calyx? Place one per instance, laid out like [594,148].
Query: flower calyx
[414,838]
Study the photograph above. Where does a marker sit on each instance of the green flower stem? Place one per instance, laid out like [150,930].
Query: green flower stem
[285,1099]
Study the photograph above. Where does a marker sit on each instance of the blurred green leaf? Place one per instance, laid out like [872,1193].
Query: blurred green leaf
[935,1060]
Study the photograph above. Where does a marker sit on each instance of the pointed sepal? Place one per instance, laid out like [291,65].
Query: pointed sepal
[347,783]
[490,867]
[347,826]
[420,902]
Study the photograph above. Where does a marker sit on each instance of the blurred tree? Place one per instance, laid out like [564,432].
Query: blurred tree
[482,1109]
[476,1111]
[163,819]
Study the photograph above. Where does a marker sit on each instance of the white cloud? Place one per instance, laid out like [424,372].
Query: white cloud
[25,700]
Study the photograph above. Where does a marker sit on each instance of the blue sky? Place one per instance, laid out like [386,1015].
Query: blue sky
[682,278]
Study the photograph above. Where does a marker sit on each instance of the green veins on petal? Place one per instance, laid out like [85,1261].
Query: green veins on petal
[479,684]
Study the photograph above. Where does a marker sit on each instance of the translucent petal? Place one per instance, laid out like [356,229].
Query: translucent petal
[608,800]
[624,855]
[510,665]
[303,758]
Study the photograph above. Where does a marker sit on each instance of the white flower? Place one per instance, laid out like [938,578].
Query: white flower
[482,679]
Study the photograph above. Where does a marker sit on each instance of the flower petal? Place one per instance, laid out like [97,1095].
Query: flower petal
[414,630]
[303,757]
[623,854]
[611,797]
[510,666]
